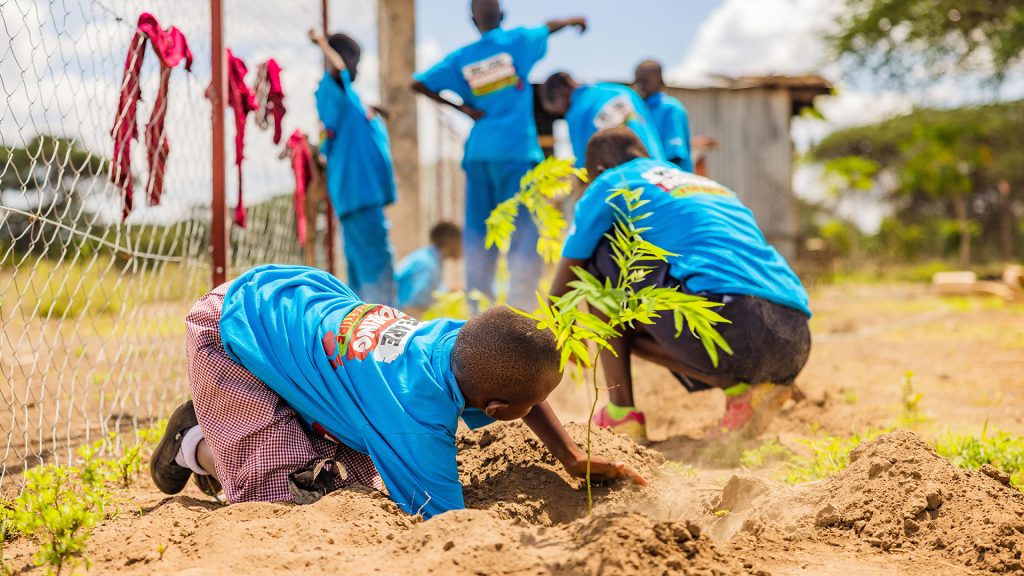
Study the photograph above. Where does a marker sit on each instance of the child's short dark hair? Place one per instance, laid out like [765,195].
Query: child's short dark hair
[444,232]
[612,147]
[557,82]
[348,49]
[501,354]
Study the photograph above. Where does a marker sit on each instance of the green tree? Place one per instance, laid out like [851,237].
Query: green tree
[940,166]
[957,166]
[847,176]
[901,35]
[55,166]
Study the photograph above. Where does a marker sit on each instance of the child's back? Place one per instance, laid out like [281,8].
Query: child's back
[717,245]
[365,374]
[601,106]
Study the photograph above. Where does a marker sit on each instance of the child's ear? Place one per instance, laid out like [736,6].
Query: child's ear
[494,406]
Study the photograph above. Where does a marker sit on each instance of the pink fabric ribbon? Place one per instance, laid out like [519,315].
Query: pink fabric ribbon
[171,47]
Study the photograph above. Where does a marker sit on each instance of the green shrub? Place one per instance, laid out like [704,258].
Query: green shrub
[58,510]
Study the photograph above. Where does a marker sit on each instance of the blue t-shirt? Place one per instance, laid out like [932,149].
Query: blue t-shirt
[673,126]
[365,374]
[359,171]
[600,106]
[492,74]
[418,276]
[717,245]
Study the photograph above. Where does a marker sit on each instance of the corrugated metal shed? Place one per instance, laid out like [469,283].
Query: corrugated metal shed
[750,118]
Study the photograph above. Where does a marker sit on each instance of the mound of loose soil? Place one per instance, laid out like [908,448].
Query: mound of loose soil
[358,531]
[504,468]
[898,494]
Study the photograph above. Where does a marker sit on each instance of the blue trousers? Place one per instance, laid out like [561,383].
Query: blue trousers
[487,185]
[368,254]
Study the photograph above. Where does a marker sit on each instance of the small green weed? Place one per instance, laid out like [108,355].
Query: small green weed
[1002,450]
[58,508]
[851,397]
[770,451]
[910,413]
[7,532]
[60,504]
[828,456]
[679,469]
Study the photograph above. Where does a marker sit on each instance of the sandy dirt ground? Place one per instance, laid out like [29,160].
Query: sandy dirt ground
[898,508]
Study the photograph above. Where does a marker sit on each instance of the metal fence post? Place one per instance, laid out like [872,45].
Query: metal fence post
[218,91]
[329,237]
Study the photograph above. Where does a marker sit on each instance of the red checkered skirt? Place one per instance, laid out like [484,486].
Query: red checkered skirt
[256,439]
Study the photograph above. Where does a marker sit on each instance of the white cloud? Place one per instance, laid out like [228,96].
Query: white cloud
[763,37]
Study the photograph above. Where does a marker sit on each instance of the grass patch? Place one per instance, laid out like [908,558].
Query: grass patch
[55,289]
[765,454]
[1001,450]
[828,455]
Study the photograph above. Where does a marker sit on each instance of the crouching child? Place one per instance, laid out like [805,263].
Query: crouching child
[292,373]
[717,251]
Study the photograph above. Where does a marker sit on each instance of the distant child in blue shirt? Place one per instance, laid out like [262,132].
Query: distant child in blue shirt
[669,115]
[360,178]
[291,371]
[717,251]
[589,108]
[491,77]
[420,273]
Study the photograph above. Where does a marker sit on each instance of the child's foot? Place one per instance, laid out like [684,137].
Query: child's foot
[208,484]
[632,422]
[168,475]
[749,409]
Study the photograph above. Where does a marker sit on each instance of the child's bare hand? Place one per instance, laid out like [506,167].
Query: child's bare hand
[602,470]
[580,23]
[314,36]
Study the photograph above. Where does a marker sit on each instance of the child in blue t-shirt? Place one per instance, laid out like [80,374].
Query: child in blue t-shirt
[669,115]
[588,108]
[363,376]
[491,77]
[718,251]
[360,178]
[419,274]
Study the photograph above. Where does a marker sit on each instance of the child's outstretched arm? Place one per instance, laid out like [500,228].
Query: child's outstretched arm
[557,25]
[334,60]
[421,88]
[549,430]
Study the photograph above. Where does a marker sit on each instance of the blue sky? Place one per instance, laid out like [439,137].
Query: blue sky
[619,35]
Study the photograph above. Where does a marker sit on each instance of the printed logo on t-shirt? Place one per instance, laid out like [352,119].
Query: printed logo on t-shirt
[679,183]
[491,74]
[616,112]
[370,328]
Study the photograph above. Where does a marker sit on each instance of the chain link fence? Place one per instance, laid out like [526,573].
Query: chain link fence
[91,307]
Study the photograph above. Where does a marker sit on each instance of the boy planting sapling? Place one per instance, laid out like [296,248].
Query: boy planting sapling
[717,251]
[291,372]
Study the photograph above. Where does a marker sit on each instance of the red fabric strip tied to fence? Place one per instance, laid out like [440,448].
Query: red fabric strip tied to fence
[171,47]
[302,160]
[241,102]
[269,97]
